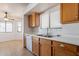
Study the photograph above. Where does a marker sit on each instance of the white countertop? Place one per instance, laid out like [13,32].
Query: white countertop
[65,39]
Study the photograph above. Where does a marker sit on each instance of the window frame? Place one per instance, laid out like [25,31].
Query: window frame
[19,26]
[41,15]
[5,29]
[5,26]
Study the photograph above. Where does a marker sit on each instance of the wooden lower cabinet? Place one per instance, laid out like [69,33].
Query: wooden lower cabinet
[62,49]
[78,51]
[45,47]
[35,46]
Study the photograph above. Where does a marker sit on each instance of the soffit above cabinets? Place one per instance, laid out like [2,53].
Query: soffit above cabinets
[41,7]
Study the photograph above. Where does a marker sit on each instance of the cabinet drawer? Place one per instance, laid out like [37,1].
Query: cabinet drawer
[68,47]
[35,39]
[46,42]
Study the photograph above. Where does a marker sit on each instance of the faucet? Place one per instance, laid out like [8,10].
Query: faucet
[47,31]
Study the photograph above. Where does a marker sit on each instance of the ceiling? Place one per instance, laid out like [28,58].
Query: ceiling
[41,7]
[14,10]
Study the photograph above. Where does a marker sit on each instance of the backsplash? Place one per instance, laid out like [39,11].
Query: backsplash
[71,29]
[67,29]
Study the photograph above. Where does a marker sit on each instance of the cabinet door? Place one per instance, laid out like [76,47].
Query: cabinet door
[45,47]
[37,20]
[34,20]
[35,45]
[69,12]
[62,49]
[78,51]
[30,20]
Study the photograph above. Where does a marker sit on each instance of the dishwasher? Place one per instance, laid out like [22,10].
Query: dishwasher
[29,42]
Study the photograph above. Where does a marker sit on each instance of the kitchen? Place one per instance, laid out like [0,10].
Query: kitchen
[51,29]
[39,29]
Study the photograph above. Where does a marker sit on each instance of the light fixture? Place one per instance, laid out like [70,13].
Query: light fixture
[6,17]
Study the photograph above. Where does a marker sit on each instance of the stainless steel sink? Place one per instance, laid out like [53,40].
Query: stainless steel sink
[39,35]
[45,35]
[49,35]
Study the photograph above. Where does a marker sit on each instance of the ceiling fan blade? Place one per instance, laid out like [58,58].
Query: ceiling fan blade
[10,19]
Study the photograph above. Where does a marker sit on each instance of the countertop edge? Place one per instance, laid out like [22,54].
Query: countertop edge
[56,39]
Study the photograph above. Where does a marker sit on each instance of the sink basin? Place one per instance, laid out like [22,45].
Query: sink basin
[53,36]
[40,35]
[45,35]
[49,35]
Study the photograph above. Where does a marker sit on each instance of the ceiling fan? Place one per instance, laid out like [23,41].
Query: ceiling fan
[6,17]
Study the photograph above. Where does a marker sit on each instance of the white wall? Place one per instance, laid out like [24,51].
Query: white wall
[11,36]
[71,30]
[26,27]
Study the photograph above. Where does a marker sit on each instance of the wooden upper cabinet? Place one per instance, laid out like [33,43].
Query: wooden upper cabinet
[34,20]
[45,47]
[35,45]
[29,20]
[69,13]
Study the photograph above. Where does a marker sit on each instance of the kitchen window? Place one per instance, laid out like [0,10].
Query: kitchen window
[19,26]
[44,20]
[2,26]
[8,26]
[5,26]
[51,18]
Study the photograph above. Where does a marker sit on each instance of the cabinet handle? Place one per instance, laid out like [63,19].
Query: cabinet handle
[61,45]
[76,17]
